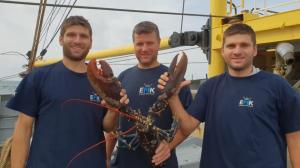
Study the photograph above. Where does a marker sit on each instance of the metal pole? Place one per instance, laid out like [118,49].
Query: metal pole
[217,65]
[37,34]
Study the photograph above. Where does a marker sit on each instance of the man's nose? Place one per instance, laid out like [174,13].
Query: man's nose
[77,39]
[144,47]
[237,50]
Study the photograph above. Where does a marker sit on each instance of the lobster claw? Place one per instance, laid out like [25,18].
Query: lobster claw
[104,82]
[176,75]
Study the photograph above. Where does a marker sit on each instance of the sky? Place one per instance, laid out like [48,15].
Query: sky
[110,29]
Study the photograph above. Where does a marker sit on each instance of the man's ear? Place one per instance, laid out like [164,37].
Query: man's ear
[60,40]
[91,43]
[222,52]
[255,51]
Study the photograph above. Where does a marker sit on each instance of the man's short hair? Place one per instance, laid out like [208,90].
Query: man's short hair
[74,21]
[145,27]
[240,29]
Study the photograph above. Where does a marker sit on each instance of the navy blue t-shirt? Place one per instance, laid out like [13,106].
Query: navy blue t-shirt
[63,127]
[141,88]
[246,120]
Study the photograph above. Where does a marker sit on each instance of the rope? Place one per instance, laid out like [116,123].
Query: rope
[5,154]
[183,3]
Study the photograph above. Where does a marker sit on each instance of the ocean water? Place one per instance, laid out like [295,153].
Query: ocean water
[8,87]
[7,117]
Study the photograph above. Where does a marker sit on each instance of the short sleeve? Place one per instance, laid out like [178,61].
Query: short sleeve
[25,99]
[198,107]
[289,104]
[121,76]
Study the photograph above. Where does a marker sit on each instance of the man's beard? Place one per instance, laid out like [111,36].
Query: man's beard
[242,68]
[69,55]
[147,62]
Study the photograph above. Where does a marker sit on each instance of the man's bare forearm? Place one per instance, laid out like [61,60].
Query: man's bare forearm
[293,141]
[178,139]
[21,141]
[110,121]
[187,123]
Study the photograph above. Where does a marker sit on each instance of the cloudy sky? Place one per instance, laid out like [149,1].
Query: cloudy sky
[111,29]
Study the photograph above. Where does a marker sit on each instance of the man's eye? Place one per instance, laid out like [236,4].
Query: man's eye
[230,46]
[71,35]
[84,36]
[244,45]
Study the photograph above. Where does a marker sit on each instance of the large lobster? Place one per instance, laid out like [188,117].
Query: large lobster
[108,87]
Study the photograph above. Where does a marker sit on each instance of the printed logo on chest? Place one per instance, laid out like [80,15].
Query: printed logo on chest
[147,89]
[94,98]
[246,102]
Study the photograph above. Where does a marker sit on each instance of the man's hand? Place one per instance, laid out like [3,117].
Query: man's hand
[162,153]
[124,99]
[162,81]
[110,119]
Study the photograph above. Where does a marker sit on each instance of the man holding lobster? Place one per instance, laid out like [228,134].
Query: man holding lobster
[140,84]
[63,127]
[251,116]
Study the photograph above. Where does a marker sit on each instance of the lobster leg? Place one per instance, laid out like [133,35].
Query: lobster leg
[133,144]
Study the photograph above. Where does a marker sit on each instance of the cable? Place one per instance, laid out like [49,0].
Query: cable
[115,9]
[170,52]
[48,19]
[187,49]
[47,25]
[183,3]
[162,53]
[60,25]
[51,13]
[166,63]
[44,49]
[14,53]
[63,18]
[118,57]
[37,33]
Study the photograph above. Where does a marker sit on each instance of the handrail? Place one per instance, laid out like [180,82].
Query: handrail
[275,6]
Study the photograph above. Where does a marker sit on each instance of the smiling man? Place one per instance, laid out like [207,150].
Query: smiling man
[140,83]
[62,128]
[250,116]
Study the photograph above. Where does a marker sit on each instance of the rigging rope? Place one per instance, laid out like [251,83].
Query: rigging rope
[183,3]
[37,34]
[169,52]
[115,9]
[58,28]
[46,26]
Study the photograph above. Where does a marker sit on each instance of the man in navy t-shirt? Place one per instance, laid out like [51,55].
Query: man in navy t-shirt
[250,116]
[62,127]
[140,83]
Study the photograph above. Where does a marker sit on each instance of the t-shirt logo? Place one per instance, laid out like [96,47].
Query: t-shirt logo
[147,90]
[94,98]
[246,102]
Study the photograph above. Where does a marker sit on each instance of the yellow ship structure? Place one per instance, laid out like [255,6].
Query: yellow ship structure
[278,39]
